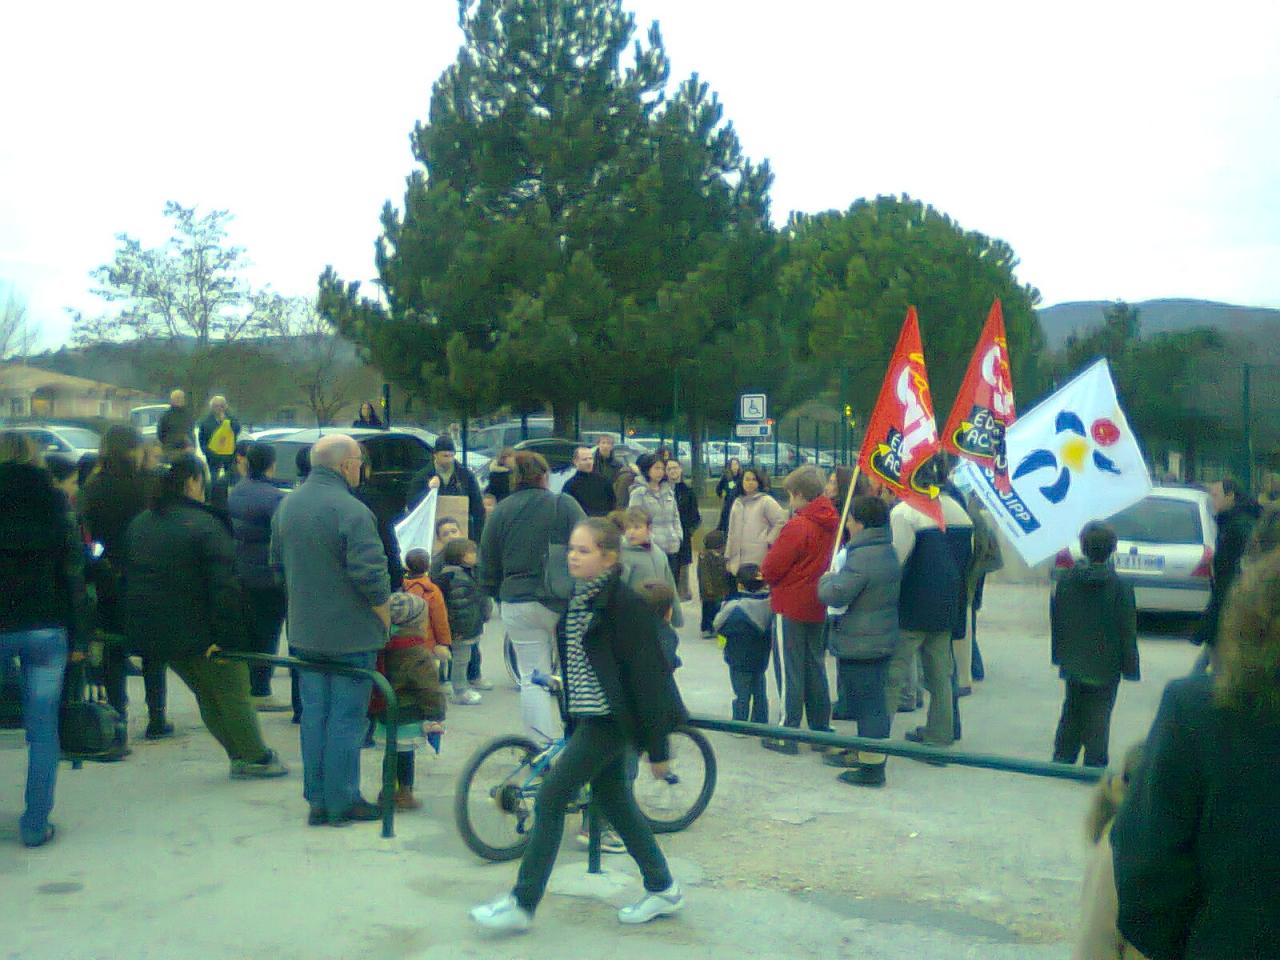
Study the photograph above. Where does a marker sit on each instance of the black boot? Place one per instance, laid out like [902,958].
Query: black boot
[157,728]
[864,775]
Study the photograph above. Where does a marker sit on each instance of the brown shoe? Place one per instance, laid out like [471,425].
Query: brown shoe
[405,800]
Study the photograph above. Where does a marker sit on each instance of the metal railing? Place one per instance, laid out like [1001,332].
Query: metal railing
[391,724]
[902,748]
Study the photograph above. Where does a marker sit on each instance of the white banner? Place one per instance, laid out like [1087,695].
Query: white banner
[418,529]
[1071,460]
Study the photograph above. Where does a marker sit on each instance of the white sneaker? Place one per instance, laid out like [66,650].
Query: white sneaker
[468,697]
[503,914]
[654,905]
[483,684]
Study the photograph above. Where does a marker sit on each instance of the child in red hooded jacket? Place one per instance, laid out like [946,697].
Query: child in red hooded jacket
[792,568]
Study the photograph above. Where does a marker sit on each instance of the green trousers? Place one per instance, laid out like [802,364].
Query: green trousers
[222,692]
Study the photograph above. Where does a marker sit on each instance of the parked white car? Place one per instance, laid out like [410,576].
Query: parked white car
[70,442]
[1164,549]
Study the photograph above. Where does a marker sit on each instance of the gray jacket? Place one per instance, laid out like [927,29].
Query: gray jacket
[641,565]
[326,550]
[513,547]
[868,585]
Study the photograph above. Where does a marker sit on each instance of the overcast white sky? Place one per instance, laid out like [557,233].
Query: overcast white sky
[1124,150]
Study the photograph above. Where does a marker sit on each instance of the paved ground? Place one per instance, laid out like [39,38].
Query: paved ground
[163,857]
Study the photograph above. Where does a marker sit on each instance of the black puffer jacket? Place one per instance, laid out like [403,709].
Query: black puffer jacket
[41,556]
[468,606]
[180,588]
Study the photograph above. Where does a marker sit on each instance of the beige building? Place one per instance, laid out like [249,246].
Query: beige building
[35,394]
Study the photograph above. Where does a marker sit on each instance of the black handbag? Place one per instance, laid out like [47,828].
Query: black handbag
[87,729]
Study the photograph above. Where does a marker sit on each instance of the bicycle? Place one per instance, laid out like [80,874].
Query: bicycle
[494,801]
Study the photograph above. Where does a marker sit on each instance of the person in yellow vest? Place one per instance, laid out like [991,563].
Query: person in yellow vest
[218,433]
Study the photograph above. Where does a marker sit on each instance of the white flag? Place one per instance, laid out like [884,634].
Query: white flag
[418,529]
[1071,460]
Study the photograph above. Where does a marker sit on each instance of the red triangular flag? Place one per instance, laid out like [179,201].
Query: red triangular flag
[984,408]
[902,435]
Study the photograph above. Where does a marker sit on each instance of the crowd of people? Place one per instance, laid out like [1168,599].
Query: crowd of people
[178,551]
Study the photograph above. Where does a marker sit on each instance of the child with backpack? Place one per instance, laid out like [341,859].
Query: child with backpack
[1093,626]
[743,627]
[468,609]
[413,671]
[713,579]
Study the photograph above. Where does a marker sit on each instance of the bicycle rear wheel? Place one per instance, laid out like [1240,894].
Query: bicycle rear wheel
[671,805]
[509,657]
[493,802]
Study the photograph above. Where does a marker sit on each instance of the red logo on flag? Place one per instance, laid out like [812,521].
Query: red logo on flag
[902,435]
[984,408]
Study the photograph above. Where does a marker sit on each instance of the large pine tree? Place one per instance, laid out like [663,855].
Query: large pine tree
[571,234]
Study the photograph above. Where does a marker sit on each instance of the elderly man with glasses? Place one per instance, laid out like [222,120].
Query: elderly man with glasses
[325,547]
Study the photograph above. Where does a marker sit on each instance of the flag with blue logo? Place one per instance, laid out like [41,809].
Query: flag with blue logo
[1072,459]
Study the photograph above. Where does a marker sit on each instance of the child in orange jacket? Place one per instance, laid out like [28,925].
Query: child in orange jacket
[417,581]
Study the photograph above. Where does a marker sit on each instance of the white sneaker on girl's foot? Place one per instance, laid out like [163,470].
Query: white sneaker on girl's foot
[654,905]
[503,914]
[468,697]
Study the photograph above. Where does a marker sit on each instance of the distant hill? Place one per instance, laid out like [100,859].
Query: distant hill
[1159,316]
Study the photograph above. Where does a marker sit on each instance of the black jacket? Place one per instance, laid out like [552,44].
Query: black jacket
[499,484]
[1235,526]
[41,556]
[180,589]
[468,605]
[175,427]
[593,491]
[730,489]
[108,504]
[624,648]
[1093,626]
[463,483]
[1196,845]
[690,519]
[251,505]
[386,511]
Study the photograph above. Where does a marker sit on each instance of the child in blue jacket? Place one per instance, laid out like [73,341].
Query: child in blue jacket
[743,625]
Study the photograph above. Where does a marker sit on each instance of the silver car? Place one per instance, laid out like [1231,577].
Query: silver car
[1164,549]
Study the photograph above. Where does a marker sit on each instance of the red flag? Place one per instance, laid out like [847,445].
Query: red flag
[902,435]
[984,408]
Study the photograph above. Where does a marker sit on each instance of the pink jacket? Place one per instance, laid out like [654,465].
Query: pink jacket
[754,523]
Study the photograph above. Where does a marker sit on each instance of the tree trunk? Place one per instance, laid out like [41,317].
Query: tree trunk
[562,414]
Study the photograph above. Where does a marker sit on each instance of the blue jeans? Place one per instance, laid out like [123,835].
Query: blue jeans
[334,716]
[43,654]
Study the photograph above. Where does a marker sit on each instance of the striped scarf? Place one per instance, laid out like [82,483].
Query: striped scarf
[584,694]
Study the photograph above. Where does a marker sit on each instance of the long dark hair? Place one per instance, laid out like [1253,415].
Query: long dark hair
[762,477]
[172,488]
[115,456]
[729,473]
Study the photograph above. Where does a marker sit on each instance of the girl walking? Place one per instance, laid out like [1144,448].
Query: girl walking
[618,695]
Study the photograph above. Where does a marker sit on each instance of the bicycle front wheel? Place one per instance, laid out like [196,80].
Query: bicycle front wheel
[493,802]
[671,805]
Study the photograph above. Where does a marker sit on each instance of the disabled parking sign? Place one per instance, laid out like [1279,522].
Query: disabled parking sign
[753,408]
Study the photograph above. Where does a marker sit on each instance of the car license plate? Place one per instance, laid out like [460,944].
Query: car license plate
[1143,562]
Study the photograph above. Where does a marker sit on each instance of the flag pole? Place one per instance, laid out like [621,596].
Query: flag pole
[844,514]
